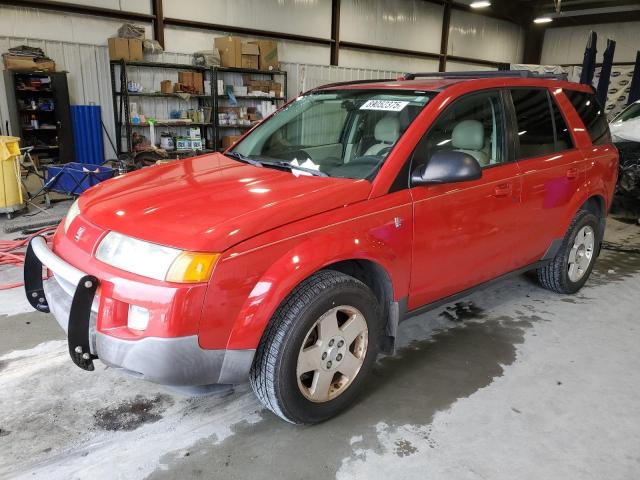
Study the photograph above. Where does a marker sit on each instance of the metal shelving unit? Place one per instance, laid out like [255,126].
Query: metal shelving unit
[220,71]
[121,99]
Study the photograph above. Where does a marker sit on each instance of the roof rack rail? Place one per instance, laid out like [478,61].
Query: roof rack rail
[485,74]
[354,82]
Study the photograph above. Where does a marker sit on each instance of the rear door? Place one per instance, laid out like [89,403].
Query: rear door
[465,233]
[552,169]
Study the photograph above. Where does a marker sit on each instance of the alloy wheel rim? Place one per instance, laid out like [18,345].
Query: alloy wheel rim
[581,253]
[332,354]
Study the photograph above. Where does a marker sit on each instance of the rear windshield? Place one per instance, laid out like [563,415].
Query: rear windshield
[592,115]
[343,133]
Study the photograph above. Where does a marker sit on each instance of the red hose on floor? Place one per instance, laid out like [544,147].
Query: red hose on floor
[12,252]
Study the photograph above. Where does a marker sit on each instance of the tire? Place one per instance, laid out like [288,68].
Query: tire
[295,332]
[557,275]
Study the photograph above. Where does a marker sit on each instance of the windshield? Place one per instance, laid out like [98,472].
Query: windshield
[629,113]
[343,133]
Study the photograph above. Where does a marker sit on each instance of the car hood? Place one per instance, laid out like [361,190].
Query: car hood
[211,202]
[628,130]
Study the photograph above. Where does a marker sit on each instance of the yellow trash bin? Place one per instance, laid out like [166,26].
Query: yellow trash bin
[10,189]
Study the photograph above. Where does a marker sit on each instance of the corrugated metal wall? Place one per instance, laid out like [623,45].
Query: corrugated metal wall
[90,81]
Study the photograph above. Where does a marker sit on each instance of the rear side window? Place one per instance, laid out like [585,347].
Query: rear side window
[534,122]
[592,115]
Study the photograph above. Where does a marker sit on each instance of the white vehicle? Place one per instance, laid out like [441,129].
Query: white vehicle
[625,133]
[625,127]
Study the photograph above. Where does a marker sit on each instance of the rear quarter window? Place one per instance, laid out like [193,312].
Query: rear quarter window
[592,114]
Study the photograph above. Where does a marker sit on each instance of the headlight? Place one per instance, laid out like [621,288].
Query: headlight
[155,261]
[73,212]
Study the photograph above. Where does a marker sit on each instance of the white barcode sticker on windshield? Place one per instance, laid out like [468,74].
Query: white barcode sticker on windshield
[385,105]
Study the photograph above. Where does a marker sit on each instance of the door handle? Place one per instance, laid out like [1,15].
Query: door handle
[502,190]
[572,173]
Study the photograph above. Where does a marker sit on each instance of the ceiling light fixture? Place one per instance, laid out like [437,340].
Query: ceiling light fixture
[542,20]
[480,4]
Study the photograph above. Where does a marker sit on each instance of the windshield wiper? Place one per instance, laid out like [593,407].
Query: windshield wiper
[282,164]
[244,158]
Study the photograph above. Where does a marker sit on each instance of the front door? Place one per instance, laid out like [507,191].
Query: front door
[465,233]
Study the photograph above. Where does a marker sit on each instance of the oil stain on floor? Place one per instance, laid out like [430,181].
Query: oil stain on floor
[132,414]
[461,311]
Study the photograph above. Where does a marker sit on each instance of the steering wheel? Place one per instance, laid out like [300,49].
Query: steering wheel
[374,162]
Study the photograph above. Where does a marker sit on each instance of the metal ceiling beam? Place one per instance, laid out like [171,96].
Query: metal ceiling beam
[444,38]
[158,23]
[618,17]
[80,9]
[335,32]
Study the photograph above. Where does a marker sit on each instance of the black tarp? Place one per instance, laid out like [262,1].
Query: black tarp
[589,61]
[605,72]
[634,89]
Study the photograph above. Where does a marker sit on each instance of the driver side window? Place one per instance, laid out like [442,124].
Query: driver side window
[473,124]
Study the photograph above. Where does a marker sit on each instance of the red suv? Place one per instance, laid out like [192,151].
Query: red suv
[290,259]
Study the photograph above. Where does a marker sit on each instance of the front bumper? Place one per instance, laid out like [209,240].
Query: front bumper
[70,296]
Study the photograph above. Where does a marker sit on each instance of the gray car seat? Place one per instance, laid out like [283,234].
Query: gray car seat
[468,137]
[386,132]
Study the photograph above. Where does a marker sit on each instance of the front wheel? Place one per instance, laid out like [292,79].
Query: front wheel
[572,265]
[318,348]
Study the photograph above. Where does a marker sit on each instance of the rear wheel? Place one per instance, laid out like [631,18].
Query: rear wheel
[572,265]
[318,348]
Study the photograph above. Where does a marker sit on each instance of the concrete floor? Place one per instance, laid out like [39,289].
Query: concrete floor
[513,382]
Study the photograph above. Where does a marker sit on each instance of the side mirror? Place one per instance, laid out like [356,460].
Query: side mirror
[447,167]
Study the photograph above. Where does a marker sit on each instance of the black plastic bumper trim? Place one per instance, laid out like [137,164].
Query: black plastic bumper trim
[79,321]
[33,281]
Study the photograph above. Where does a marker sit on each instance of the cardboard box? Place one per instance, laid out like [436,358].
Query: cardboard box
[230,49]
[186,78]
[229,140]
[15,62]
[135,50]
[198,82]
[268,54]
[250,55]
[166,86]
[118,48]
